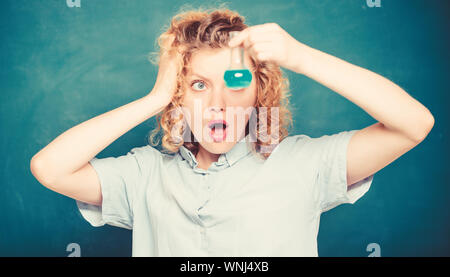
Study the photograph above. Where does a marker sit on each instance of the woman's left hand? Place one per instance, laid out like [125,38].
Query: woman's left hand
[269,42]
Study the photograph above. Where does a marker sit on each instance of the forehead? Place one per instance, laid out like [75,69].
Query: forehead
[210,62]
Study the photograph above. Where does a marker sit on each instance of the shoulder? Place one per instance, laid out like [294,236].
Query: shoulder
[306,143]
[148,153]
[145,150]
[302,138]
[291,139]
[296,141]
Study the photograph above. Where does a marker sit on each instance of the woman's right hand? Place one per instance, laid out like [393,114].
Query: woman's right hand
[166,81]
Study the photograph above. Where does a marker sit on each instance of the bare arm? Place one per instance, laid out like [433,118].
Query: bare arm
[63,165]
[69,153]
[402,124]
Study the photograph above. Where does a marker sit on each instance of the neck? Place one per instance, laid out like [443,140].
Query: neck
[205,158]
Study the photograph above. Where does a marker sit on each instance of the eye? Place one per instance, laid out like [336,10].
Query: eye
[198,82]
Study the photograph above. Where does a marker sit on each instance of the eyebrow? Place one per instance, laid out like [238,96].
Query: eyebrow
[196,74]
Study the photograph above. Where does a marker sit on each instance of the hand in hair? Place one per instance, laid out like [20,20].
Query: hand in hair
[169,64]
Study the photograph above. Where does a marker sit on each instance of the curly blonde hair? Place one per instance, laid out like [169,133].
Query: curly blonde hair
[200,28]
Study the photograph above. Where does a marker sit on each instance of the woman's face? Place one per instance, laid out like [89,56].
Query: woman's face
[207,98]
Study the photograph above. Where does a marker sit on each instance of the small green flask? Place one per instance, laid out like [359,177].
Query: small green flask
[237,76]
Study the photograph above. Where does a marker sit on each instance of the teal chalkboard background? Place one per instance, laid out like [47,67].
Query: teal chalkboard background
[61,66]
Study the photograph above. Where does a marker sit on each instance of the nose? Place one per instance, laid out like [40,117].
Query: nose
[216,101]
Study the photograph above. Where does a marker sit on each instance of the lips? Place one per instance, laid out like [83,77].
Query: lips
[217,130]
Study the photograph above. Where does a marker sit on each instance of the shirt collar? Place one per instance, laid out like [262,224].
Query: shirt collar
[238,151]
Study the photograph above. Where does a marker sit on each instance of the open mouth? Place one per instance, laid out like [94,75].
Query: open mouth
[217,130]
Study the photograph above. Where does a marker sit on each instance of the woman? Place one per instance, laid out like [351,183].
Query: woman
[237,190]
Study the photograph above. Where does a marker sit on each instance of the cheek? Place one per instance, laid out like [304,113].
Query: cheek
[243,99]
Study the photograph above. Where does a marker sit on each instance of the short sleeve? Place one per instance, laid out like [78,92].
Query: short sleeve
[330,188]
[119,178]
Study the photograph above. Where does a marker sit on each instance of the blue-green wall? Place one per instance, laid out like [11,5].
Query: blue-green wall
[61,66]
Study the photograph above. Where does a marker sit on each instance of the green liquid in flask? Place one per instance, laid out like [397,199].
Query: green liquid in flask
[237,78]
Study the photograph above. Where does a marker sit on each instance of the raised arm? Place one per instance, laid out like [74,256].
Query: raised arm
[403,121]
[63,165]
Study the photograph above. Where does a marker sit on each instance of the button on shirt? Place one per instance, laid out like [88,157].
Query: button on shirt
[241,206]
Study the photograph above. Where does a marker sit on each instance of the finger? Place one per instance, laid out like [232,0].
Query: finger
[254,31]
[237,40]
[263,56]
[259,43]
[262,50]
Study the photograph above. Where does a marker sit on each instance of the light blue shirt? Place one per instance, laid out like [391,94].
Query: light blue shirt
[241,206]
